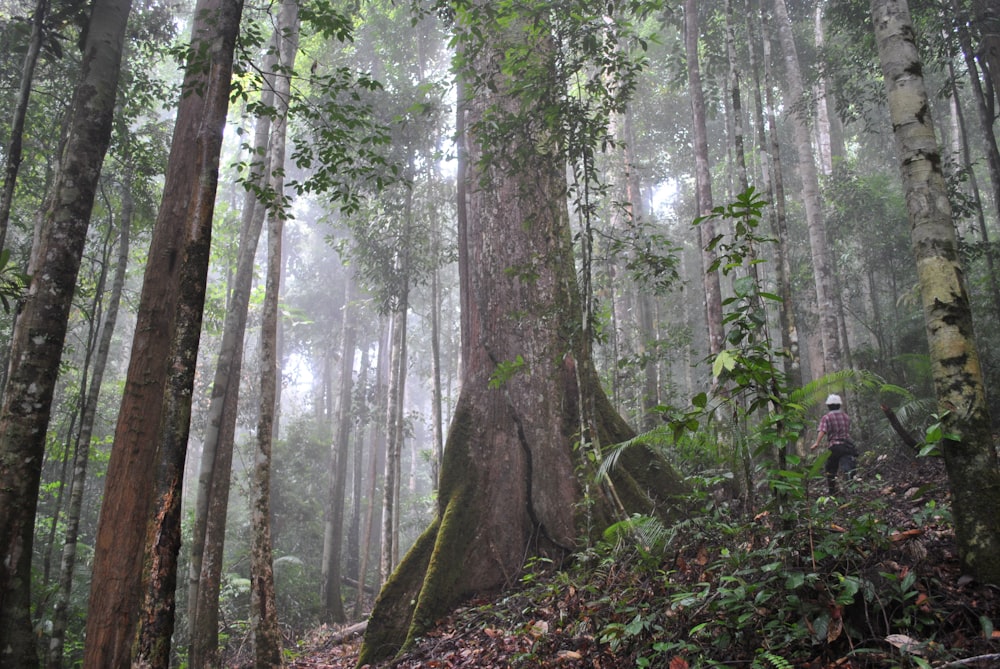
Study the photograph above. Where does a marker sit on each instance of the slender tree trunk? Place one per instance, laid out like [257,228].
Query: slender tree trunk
[988,22]
[984,108]
[333,601]
[217,448]
[166,335]
[264,619]
[390,491]
[703,181]
[16,136]
[965,157]
[970,457]
[799,116]
[40,330]
[770,151]
[60,613]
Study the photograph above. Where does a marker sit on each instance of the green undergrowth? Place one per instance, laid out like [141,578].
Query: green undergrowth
[822,582]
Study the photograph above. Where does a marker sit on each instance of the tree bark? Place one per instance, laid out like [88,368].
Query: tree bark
[214,477]
[970,457]
[40,330]
[509,485]
[60,611]
[152,425]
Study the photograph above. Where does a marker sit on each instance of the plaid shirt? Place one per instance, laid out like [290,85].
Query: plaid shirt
[836,425]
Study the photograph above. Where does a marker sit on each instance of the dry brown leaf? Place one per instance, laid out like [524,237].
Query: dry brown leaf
[678,663]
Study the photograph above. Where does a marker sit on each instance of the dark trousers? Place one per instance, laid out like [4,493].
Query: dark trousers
[839,451]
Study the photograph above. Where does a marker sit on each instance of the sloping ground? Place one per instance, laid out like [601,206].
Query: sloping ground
[869,580]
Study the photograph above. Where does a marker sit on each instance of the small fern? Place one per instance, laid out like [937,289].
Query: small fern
[772,660]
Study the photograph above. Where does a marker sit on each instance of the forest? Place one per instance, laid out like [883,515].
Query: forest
[499,333]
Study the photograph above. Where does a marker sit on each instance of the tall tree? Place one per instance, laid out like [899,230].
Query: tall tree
[703,180]
[969,453]
[12,157]
[263,617]
[509,483]
[156,400]
[797,103]
[40,330]
[214,476]
[333,601]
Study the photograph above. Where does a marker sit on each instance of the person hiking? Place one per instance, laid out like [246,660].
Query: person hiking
[835,425]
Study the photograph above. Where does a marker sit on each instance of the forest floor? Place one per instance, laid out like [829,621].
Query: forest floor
[868,580]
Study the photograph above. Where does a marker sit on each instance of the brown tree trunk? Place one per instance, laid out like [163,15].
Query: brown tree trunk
[37,341]
[970,457]
[167,324]
[60,612]
[510,485]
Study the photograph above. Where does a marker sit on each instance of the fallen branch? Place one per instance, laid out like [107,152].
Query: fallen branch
[967,661]
[343,635]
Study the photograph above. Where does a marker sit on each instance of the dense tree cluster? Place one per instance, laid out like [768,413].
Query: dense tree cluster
[528,264]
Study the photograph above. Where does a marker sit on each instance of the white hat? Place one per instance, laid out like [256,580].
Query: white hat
[833,399]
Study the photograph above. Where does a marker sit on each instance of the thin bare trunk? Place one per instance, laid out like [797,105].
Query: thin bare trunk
[703,181]
[219,434]
[333,601]
[15,141]
[799,117]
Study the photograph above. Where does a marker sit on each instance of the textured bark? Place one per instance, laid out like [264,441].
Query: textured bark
[151,434]
[510,485]
[703,181]
[263,616]
[60,611]
[970,458]
[799,117]
[40,330]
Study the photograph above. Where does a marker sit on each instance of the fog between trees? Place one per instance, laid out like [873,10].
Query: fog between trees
[603,131]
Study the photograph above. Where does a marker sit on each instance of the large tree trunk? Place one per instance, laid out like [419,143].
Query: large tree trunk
[60,613]
[822,271]
[971,457]
[510,485]
[40,330]
[173,287]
